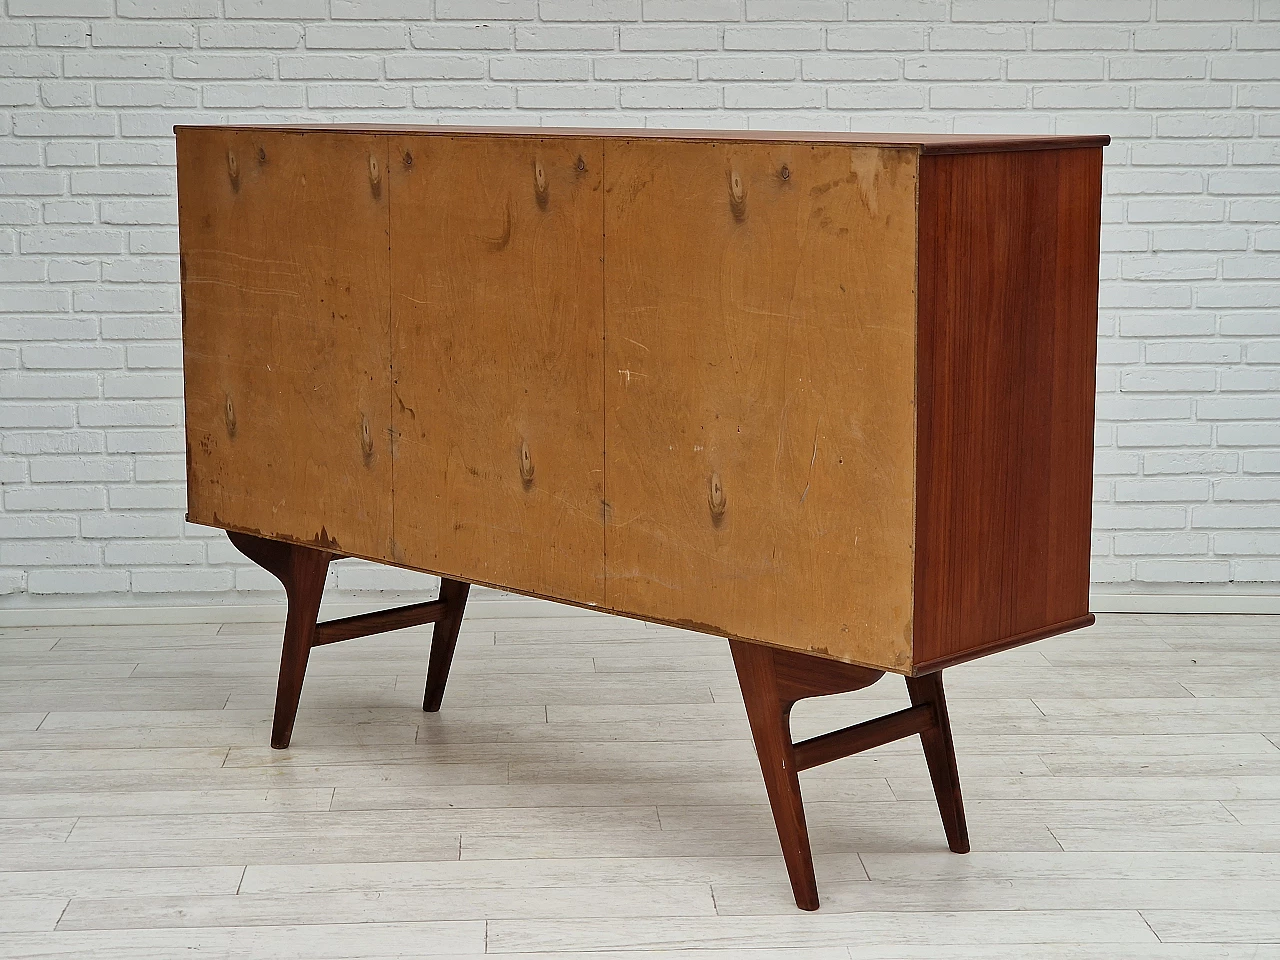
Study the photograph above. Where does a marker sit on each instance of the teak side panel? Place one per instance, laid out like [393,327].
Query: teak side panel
[1007,346]
[497,312]
[286,336]
[760,333]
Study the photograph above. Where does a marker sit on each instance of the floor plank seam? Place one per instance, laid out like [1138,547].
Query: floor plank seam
[1231,813]
[1056,839]
[1143,915]
[65,907]
[863,864]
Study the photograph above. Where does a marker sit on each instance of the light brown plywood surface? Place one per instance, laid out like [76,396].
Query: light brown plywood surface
[286,334]
[760,330]
[497,315]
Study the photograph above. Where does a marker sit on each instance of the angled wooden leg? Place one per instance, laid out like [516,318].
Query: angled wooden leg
[444,638]
[302,571]
[770,719]
[772,681]
[940,754]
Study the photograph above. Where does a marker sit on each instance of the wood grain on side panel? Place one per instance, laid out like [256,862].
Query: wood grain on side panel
[498,342]
[286,335]
[760,328]
[1007,344]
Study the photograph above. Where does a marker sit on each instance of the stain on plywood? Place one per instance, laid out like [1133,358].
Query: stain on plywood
[498,350]
[760,454]
[286,335]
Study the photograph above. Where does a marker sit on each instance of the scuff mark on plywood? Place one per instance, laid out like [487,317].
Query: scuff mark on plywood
[826,259]
[812,460]
[285,335]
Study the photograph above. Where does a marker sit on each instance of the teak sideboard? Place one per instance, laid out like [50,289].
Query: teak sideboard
[827,395]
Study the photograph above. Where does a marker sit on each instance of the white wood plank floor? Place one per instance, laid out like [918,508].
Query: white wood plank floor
[589,790]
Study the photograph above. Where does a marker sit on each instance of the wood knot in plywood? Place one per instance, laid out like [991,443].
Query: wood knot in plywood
[715,498]
[526,465]
[233,171]
[262,155]
[737,196]
[407,159]
[541,190]
[375,177]
[229,412]
[366,440]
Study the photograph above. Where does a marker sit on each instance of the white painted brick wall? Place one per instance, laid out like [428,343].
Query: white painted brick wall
[1188,460]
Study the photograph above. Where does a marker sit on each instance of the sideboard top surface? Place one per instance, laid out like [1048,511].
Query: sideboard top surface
[925,143]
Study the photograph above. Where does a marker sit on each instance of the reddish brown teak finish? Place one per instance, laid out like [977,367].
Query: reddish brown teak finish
[1008,303]
[828,396]
[773,681]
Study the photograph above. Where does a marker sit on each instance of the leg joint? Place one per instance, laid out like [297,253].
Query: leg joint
[865,736]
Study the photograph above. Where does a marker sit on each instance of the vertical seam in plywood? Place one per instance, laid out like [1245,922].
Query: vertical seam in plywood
[915,419]
[604,380]
[391,350]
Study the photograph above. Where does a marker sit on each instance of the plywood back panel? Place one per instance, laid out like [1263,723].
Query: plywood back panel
[1008,325]
[498,339]
[679,379]
[760,327]
[286,336]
